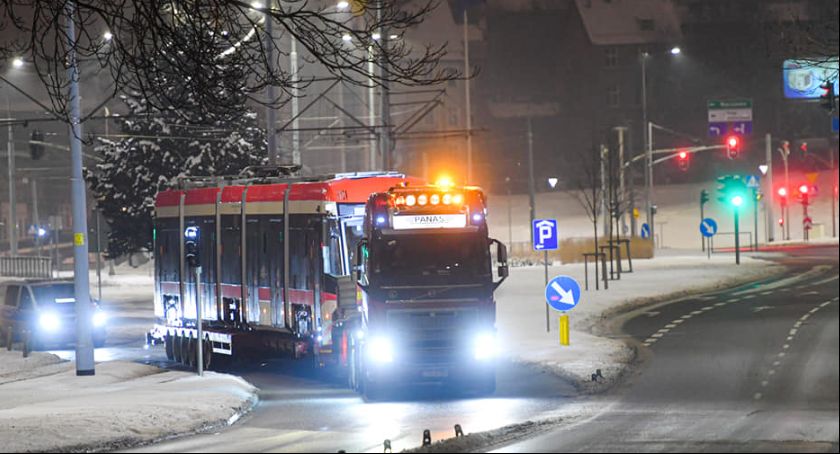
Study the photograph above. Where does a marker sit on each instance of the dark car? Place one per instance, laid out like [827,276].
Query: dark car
[44,312]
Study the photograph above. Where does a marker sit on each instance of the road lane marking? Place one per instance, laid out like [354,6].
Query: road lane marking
[776,363]
[781,354]
[707,308]
[766,293]
[671,326]
[798,324]
[677,321]
[789,338]
[720,304]
[696,312]
[686,317]
[757,396]
[786,346]
[734,300]
[656,335]
[765,383]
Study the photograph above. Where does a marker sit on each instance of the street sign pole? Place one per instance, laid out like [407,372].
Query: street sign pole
[545,263]
[755,219]
[702,216]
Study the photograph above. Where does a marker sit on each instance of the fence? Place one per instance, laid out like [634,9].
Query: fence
[18,266]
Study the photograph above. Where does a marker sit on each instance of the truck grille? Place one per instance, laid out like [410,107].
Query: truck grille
[432,337]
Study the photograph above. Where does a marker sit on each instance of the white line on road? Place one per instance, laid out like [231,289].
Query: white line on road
[677,321]
[786,346]
[720,304]
[696,312]
[670,326]
[686,317]
[707,308]
[765,383]
[656,335]
[757,396]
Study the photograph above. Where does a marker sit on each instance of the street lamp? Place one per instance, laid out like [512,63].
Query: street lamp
[676,50]
[17,62]
[107,36]
[343,5]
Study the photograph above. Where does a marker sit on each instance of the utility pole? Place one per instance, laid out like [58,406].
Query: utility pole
[372,165]
[510,215]
[84,338]
[649,182]
[531,184]
[785,152]
[467,95]
[270,96]
[603,201]
[293,65]
[35,219]
[13,244]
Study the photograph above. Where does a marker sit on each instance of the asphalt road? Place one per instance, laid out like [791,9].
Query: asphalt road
[753,369]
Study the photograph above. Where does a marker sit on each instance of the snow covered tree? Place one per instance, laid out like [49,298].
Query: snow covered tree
[152,150]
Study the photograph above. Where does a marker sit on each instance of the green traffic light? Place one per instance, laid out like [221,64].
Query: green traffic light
[737,201]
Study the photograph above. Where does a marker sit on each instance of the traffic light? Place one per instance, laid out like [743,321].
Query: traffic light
[827,99]
[704,197]
[783,195]
[733,146]
[804,192]
[732,190]
[191,249]
[683,159]
[36,150]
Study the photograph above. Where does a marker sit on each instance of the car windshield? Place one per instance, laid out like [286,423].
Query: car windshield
[60,295]
[430,259]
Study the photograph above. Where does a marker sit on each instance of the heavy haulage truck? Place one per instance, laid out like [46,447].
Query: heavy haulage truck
[375,275]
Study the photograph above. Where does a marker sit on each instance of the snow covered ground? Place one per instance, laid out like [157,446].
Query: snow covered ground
[521,310]
[45,407]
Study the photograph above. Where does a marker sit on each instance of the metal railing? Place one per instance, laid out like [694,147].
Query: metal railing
[20,266]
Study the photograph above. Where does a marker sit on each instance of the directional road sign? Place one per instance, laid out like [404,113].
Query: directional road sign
[730,116]
[545,234]
[645,231]
[708,227]
[562,293]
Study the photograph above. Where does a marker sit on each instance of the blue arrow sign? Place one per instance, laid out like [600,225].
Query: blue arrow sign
[645,231]
[562,293]
[718,129]
[708,227]
[545,234]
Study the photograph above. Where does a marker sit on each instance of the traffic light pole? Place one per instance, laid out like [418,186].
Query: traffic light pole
[737,236]
[768,201]
[13,246]
[755,219]
[702,216]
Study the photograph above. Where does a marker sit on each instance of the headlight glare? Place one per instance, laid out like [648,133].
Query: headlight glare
[99,319]
[380,350]
[49,322]
[484,346]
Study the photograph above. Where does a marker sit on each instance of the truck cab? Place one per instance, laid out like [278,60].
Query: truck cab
[425,280]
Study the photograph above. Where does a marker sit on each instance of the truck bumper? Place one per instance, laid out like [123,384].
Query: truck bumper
[401,374]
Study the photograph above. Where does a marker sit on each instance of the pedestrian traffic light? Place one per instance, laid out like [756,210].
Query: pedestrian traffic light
[36,148]
[733,146]
[191,249]
[683,160]
[828,100]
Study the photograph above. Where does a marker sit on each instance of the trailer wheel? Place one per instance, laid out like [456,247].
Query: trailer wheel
[189,352]
[208,353]
[170,349]
[177,352]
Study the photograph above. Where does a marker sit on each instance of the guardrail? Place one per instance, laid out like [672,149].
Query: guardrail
[21,266]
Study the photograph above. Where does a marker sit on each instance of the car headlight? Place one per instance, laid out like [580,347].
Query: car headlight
[380,350]
[485,347]
[99,319]
[49,322]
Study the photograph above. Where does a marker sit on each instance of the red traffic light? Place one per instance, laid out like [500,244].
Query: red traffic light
[804,189]
[782,192]
[683,155]
[732,142]
[781,221]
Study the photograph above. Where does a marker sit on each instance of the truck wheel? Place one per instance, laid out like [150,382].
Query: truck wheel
[170,349]
[189,352]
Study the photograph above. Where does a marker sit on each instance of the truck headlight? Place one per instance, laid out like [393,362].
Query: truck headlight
[380,350]
[484,346]
[99,319]
[49,322]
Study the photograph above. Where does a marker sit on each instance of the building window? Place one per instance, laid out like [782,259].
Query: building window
[613,96]
[611,57]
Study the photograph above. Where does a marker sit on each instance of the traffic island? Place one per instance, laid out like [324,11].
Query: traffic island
[44,406]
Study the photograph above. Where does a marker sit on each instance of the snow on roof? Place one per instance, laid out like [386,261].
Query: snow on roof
[617,22]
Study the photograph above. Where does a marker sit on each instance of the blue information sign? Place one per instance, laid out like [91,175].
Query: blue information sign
[645,231]
[562,293]
[708,227]
[545,234]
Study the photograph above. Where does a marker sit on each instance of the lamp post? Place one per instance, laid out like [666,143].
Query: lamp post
[647,136]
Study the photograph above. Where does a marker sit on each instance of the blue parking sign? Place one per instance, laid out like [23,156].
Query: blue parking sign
[545,234]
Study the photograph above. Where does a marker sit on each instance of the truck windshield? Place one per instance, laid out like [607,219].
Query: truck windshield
[431,259]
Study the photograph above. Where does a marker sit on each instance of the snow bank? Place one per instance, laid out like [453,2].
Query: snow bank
[125,404]
[521,311]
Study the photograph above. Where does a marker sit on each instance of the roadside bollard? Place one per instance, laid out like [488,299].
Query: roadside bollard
[564,329]
[427,438]
[458,431]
